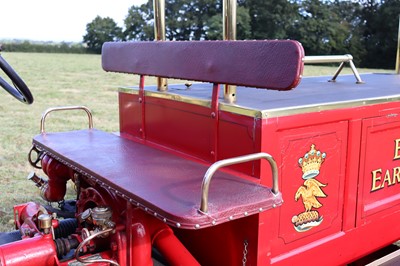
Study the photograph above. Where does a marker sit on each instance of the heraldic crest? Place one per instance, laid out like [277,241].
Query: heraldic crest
[310,191]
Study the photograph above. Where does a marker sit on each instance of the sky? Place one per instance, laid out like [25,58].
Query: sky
[55,20]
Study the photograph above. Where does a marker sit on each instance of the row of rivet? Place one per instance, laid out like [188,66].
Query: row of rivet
[178,225]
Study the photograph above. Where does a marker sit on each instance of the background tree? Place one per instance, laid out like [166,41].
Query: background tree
[139,24]
[185,20]
[243,31]
[348,13]
[367,29]
[379,22]
[320,29]
[273,19]
[99,31]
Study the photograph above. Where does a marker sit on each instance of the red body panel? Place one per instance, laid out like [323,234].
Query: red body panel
[39,250]
[356,142]
[190,129]
[347,188]
[379,161]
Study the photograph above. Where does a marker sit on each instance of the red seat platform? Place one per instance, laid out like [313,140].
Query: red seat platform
[163,184]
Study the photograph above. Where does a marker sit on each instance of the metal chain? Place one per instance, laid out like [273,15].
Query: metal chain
[245,243]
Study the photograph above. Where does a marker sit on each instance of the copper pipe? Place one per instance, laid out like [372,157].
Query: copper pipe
[85,241]
[229,33]
[159,35]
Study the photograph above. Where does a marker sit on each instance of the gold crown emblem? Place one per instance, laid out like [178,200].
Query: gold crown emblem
[311,162]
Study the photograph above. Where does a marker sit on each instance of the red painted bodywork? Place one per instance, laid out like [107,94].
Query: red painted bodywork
[38,250]
[353,139]
[58,175]
[203,140]
[338,172]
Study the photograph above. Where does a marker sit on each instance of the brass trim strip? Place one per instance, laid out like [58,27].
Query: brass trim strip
[129,90]
[179,98]
[268,113]
[241,110]
[168,96]
[278,112]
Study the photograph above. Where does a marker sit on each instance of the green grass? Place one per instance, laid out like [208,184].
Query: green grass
[59,80]
[55,80]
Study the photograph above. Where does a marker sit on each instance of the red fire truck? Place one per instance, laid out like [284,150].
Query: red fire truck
[221,172]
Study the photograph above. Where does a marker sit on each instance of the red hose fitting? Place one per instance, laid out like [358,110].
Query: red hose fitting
[25,215]
[56,187]
[147,230]
[39,250]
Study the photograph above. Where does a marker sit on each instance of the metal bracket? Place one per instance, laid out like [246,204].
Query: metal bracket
[342,59]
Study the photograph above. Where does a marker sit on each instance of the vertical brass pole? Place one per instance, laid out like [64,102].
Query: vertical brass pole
[398,51]
[229,33]
[229,16]
[159,34]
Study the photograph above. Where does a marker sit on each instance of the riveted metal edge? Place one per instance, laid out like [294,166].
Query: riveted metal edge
[213,221]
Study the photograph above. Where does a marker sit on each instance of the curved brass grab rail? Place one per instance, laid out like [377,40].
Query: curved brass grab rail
[65,108]
[342,59]
[320,59]
[241,159]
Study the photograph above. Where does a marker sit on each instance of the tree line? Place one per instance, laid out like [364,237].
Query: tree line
[367,29]
[37,47]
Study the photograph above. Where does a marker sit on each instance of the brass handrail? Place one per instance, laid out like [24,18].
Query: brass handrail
[342,59]
[205,185]
[65,108]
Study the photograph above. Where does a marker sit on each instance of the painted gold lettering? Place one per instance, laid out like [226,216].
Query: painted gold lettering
[387,179]
[396,149]
[376,178]
[396,175]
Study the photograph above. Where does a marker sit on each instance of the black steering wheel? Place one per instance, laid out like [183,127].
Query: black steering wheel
[20,91]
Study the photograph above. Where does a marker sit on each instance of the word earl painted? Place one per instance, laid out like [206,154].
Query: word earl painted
[384,178]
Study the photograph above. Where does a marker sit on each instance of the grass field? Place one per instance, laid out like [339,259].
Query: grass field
[58,80]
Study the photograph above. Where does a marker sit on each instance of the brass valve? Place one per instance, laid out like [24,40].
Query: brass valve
[45,222]
[39,182]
